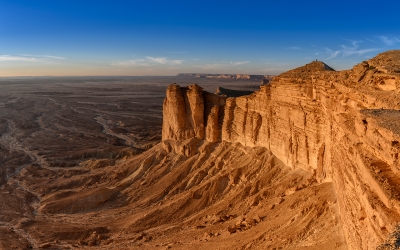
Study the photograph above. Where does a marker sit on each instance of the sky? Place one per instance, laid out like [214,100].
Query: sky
[154,37]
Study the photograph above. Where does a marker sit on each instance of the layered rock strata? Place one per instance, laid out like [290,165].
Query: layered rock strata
[343,127]
[188,110]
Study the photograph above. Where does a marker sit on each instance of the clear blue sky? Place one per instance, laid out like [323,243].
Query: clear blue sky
[68,37]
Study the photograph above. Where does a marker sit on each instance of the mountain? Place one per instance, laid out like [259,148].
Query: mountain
[309,161]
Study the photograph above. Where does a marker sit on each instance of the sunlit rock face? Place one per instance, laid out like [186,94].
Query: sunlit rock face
[186,112]
[343,127]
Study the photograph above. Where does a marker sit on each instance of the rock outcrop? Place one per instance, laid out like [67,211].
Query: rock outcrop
[185,111]
[342,127]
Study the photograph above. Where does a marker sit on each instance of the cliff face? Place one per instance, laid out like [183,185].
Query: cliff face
[187,112]
[343,127]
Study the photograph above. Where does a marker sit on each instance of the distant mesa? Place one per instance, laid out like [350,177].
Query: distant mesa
[265,78]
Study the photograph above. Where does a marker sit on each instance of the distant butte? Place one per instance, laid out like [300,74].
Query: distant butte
[227,76]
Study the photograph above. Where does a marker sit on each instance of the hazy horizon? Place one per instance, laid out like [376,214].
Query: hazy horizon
[158,38]
[122,76]
[45,76]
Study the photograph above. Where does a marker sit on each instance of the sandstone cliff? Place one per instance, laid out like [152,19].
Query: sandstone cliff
[342,127]
[188,110]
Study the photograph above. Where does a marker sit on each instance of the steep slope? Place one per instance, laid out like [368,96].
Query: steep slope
[191,194]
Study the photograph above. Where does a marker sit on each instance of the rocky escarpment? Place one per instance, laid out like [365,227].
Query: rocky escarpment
[189,110]
[340,126]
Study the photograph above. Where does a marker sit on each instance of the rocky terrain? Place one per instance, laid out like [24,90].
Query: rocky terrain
[309,161]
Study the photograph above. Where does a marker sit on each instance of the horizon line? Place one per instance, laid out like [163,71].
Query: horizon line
[44,76]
